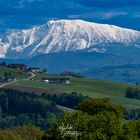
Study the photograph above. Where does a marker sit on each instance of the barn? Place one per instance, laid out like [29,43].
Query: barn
[56,80]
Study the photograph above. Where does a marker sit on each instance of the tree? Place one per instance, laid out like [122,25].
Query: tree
[29,132]
[3,64]
[79,125]
[95,106]
[45,70]
[133,93]
[8,75]
[132,130]
[9,135]
[4,102]
[22,108]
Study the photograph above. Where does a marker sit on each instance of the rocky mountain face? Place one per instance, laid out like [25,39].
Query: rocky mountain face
[68,36]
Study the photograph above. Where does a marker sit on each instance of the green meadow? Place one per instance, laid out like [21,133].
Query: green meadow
[90,87]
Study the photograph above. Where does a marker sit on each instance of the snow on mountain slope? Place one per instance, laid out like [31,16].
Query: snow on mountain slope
[65,35]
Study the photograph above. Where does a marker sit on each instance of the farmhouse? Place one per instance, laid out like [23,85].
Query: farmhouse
[56,80]
[34,69]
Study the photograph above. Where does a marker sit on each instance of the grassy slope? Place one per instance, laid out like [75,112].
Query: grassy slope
[13,71]
[91,87]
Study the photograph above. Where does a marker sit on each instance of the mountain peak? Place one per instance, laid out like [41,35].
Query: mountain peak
[65,35]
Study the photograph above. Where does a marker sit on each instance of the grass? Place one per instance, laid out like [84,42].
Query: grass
[91,87]
[14,72]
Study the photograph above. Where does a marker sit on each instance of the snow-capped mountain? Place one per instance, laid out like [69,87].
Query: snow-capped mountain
[66,35]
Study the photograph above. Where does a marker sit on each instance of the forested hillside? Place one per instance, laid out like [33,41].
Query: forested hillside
[22,108]
[95,119]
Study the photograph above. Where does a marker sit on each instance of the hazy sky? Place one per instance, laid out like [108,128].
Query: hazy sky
[25,13]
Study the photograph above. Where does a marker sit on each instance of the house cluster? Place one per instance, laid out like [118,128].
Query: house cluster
[25,70]
[56,80]
[28,71]
[23,67]
[34,69]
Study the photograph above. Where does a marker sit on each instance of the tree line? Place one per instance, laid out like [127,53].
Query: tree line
[20,108]
[70,100]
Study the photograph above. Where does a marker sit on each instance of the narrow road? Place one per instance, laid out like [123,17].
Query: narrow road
[3,85]
[9,83]
[66,108]
[32,76]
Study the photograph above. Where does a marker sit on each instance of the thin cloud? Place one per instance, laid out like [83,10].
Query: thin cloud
[109,3]
[113,14]
[97,15]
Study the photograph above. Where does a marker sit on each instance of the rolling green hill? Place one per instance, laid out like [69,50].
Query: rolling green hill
[91,87]
[14,72]
[125,73]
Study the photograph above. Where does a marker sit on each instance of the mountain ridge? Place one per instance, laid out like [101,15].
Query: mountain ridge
[66,35]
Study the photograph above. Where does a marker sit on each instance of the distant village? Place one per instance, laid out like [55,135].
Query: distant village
[29,71]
